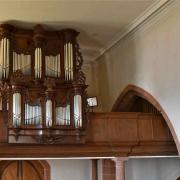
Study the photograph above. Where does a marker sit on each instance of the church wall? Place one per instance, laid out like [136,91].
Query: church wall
[148,58]
[153,169]
[92,82]
[70,169]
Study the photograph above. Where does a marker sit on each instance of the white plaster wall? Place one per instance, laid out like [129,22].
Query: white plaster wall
[150,59]
[70,169]
[152,169]
[91,81]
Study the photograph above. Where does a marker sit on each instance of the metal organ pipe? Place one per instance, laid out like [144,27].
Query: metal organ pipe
[77,111]
[48,113]
[16,109]
[7,61]
[4,58]
[22,62]
[68,61]
[38,63]
[63,115]
[68,114]
[53,68]
[32,115]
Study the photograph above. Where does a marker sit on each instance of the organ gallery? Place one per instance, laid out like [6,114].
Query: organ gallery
[43,103]
[43,88]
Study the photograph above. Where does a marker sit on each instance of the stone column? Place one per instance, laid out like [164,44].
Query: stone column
[120,167]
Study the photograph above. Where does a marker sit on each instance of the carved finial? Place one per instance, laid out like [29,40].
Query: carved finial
[5,30]
[79,78]
[39,37]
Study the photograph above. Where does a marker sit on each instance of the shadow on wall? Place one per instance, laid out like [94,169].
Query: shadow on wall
[111,73]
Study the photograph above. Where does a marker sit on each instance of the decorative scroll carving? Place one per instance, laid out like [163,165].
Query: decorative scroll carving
[55,139]
[17,76]
[50,84]
[79,58]
[79,78]
[5,30]
[4,89]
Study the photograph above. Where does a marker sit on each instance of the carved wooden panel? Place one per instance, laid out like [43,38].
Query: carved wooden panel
[127,127]
[122,127]
[145,128]
[20,170]
[3,127]
[24,170]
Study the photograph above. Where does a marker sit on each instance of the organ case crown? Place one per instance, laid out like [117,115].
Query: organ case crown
[45,96]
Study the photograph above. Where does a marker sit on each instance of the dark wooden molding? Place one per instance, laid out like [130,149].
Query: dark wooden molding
[94,169]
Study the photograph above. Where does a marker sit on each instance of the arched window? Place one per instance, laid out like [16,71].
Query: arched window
[136,99]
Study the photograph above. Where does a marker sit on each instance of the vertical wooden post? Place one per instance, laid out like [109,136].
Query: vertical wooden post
[108,169]
[94,169]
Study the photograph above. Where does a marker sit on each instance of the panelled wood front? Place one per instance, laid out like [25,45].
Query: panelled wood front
[127,127]
[108,134]
[24,170]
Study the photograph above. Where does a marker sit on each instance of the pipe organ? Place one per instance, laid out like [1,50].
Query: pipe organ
[42,86]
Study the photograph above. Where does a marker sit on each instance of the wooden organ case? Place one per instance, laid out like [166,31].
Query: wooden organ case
[42,90]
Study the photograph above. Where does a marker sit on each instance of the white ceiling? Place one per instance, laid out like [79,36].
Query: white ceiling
[98,21]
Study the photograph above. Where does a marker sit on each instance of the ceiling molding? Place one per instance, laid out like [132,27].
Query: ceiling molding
[153,10]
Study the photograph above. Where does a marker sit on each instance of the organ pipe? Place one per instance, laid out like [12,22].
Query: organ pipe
[78,111]
[22,62]
[63,115]
[16,109]
[68,61]
[4,58]
[53,68]
[38,63]
[49,113]
[33,115]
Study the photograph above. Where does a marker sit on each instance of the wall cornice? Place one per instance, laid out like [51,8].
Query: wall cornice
[150,15]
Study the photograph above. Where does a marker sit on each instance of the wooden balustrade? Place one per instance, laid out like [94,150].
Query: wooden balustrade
[108,134]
